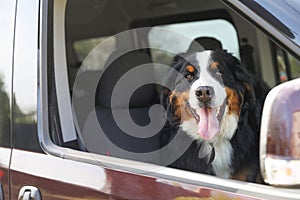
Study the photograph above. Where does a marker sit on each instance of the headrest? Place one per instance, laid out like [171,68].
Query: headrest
[116,67]
[208,43]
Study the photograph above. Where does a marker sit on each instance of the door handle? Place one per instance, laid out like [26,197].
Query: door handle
[29,193]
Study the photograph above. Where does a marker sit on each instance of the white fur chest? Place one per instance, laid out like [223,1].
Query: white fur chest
[221,143]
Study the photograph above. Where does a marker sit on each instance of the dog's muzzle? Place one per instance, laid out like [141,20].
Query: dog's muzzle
[204,94]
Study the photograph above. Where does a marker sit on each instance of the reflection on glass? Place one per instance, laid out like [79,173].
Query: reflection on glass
[6,49]
[24,126]
[22,117]
[4,116]
[295,140]
[281,65]
[295,66]
[288,67]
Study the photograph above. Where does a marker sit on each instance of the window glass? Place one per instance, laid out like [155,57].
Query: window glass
[103,114]
[281,65]
[6,50]
[287,66]
[295,66]
[206,31]
[84,47]
[25,79]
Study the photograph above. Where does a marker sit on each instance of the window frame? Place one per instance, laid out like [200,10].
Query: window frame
[128,166]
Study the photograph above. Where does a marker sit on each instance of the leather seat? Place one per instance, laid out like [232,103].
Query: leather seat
[139,104]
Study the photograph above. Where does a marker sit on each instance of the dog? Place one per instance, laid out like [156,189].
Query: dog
[212,100]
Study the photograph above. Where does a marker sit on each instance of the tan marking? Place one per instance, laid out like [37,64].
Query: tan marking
[242,174]
[214,65]
[182,112]
[233,101]
[190,68]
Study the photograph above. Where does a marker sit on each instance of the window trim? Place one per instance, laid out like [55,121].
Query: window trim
[61,74]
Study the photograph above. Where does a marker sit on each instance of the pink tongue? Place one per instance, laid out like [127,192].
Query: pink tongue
[208,125]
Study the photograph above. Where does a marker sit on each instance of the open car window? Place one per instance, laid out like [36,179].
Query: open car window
[108,67]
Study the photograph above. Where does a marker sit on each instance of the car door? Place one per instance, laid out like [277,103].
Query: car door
[64,173]
[34,174]
[44,169]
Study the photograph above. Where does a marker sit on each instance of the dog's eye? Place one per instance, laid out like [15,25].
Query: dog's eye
[189,77]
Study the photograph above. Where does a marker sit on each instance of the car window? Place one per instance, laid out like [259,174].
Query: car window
[6,49]
[287,66]
[102,104]
[84,47]
[24,117]
[206,31]
[295,66]
[282,15]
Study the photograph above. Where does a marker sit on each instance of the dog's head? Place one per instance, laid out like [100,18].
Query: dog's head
[207,95]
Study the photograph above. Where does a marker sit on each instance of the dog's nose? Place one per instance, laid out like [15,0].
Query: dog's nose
[205,93]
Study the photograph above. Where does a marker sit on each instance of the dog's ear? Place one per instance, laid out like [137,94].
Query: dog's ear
[246,80]
[170,80]
[242,75]
[254,91]
[243,80]
[167,97]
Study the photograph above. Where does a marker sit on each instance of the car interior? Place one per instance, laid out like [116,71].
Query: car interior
[91,46]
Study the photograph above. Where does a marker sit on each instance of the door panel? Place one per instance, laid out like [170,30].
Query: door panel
[4,174]
[56,178]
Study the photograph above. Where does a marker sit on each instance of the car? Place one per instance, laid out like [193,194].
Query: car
[60,137]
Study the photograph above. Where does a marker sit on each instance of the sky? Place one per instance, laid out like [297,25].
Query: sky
[26,51]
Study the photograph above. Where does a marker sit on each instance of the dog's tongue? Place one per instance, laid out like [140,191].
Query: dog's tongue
[208,125]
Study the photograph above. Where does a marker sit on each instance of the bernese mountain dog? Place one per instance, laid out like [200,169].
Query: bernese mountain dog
[211,99]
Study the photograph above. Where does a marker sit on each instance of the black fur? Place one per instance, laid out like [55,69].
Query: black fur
[245,142]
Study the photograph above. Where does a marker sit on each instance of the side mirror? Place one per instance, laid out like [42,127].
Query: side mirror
[280,135]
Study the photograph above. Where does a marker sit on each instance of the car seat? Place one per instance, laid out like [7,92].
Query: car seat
[207,43]
[139,104]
